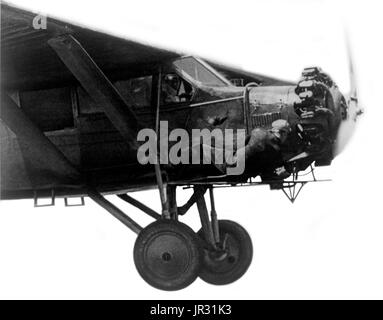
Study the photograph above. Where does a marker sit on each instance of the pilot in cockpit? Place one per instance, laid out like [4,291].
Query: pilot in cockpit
[175,89]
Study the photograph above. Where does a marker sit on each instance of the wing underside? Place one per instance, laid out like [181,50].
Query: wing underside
[28,62]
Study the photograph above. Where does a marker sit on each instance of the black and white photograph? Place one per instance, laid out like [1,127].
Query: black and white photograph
[191,150]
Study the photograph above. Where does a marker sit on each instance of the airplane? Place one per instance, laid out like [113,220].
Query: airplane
[74,101]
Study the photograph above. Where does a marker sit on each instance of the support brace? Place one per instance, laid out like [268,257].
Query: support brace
[97,85]
[198,192]
[172,198]
[205,222]
[47,164]
[60,170]
[157,168]
[114,211]
[140,206]
[214,217]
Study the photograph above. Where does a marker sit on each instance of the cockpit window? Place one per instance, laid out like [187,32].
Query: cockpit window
[199,72]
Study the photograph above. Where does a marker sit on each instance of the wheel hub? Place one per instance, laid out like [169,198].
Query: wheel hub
[167,255]
[224,260]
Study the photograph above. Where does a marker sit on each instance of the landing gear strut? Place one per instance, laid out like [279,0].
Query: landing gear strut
[169,255]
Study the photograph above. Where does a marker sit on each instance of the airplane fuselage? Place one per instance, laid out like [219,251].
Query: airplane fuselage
[83,133]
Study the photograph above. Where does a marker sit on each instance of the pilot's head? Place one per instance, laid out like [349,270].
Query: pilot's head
[171,80]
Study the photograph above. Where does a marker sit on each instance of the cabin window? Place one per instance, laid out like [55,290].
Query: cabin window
[175,89]
[50,109]
[136,92]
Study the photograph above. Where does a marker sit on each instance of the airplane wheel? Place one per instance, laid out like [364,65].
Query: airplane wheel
[233,258]
[167,255]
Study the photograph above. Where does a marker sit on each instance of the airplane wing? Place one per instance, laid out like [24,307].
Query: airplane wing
[28,62]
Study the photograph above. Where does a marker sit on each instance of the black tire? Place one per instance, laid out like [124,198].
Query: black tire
[167,255]
[236,260]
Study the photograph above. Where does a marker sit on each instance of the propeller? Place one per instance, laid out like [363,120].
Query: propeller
[348,125]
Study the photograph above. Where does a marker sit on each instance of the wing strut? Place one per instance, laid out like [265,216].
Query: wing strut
[157,168]
[97,85]
[48,162]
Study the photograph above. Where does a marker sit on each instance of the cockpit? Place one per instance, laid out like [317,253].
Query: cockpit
[188,73]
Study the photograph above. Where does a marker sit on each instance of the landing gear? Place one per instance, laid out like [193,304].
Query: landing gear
[228,250]
[231,259]
[167,255]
